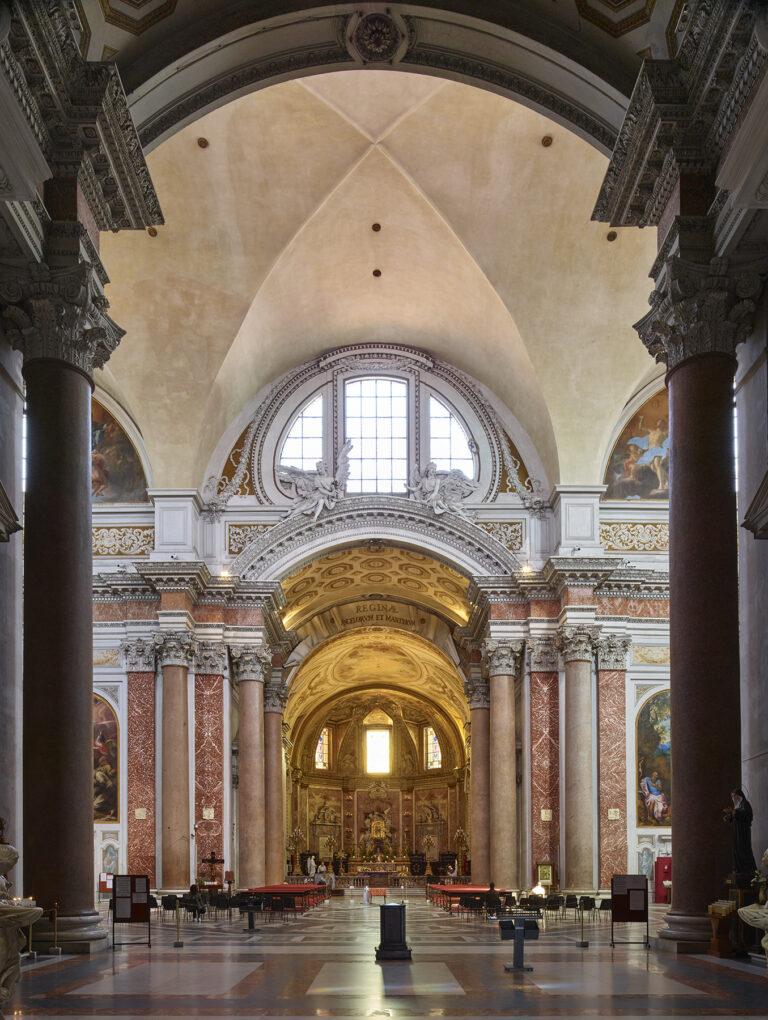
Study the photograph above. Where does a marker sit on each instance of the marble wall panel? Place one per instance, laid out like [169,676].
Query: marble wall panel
[243,617]
[209,768]
[207,614]
[578,596]
[641,608]
[142,808]
[545,767]
[545,609]
[612,786]
[509,611]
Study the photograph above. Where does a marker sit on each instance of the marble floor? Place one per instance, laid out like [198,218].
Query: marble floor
[322,964]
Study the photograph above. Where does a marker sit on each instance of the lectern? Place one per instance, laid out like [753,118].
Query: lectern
[393,945]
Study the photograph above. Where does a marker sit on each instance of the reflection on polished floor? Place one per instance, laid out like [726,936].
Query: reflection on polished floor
[322,964]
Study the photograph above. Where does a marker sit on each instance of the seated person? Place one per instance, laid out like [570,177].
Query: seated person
[492,902]
[195,903]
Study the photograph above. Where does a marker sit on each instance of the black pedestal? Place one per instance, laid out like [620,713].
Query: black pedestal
[393,945]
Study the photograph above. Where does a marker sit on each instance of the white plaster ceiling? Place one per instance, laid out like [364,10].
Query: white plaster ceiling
[487,254]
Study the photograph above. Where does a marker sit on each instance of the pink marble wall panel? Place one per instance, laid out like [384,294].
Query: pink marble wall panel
[120,611]
[207,614]
[141,774]
[643,608]
[209,768]
[243,617]
[545,767]
[578,597]
[509,611]
[545,609]
[612,786]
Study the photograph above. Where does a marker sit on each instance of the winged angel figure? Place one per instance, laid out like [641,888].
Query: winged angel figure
[442,490]
[314,491]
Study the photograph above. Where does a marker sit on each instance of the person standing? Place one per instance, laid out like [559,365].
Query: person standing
[740,818]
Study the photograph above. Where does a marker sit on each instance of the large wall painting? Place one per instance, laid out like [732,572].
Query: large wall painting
[654,763]
[116,472]
[106,775]
[638,467]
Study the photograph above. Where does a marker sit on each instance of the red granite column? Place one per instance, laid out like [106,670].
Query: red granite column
[503,659]
[699,313]
[612,756]
[545,753]
[176,651]
[274,703]
[251,664]
[479,778]
[208,812]
[141,813]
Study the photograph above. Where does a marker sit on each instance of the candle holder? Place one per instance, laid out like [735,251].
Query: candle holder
[461,840]
[294,845]
[428,841]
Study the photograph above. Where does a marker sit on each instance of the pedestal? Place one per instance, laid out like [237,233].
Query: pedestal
[392,925]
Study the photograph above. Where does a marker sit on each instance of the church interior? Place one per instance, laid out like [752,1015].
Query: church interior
[383,484]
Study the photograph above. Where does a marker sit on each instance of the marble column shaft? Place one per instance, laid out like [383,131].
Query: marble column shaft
[502,661]
[578,780]
[176,652]
[274,702]
[480,767]
[251,665]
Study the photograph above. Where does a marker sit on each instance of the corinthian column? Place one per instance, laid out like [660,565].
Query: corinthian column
[502,661]
[578,786]
[479,778]
[275,696]
[251,665]
[700,313]
[176,652]
[57,318]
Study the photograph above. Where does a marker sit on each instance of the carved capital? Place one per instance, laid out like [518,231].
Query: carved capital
[275,696]
[543,652]
[478,692]
[57,312]
[502,657]
[700,308]
[176,648]
[139,655]
[612,651]
[577,644]
[251,662]
[211,657]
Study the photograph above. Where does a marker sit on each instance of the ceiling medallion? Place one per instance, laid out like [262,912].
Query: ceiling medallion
[379,37]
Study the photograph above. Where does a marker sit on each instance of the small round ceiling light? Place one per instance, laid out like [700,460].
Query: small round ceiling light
[152,231]
[376,227]
[377,272]
[203,143]
[547,141]
[611,235]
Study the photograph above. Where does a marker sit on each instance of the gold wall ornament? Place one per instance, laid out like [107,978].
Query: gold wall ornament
[241,535]
[106,656]
[634,536]
[650,655]
[510,534]
[123,541]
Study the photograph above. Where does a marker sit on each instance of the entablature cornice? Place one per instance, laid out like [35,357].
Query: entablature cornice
[562,572]
[190,577]
[123,586]
[632,582]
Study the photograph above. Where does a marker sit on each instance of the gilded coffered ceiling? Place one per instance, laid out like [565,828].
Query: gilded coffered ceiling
[376,657]
[383,571]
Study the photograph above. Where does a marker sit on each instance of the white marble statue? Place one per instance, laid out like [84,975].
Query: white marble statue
[13,917]
[314,491]
[442,490]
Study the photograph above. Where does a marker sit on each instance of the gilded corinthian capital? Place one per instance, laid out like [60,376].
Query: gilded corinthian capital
[502,657]
[176,648]
[251,662]
[577,644]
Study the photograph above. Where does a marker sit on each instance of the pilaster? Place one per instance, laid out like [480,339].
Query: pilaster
[612,650]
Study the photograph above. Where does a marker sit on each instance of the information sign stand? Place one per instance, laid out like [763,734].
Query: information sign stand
[130,905]
[629,902]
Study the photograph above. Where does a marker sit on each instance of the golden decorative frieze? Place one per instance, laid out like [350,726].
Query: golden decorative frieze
[241,535]
[509,533]
[123,540]
[650,655]
[634,536]
[106,656]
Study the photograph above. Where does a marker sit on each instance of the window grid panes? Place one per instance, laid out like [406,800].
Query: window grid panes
[434,755]
[377,751]
[449,444]
[303,446]
[322,755]
[376,420]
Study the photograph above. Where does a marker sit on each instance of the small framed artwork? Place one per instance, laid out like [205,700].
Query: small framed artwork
[545,873]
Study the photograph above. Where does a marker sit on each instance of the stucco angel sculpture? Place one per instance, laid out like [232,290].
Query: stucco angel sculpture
[318,490]
[13,916]
[442,490]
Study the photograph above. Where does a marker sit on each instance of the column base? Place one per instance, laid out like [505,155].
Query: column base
[84,933]
[685,933]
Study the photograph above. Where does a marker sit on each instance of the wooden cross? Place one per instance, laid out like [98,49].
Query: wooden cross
[213,860]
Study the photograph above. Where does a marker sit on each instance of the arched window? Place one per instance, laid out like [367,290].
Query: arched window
[449,445]
[323,750]
[433,756]
[378,730]
[303,446]
[376,421]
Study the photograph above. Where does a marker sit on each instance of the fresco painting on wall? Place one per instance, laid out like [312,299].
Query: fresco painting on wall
[116,472]
[105,762]
[654,763]
[638,467]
